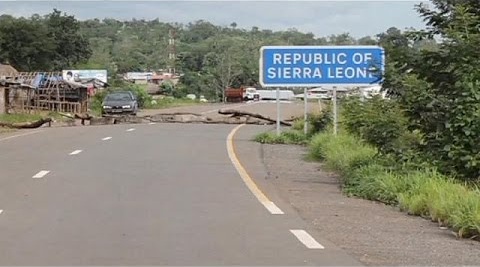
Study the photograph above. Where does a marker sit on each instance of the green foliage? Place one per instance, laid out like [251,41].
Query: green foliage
[423,192]
[437,87]
[342,152]
[52,42]
[318,122]
[23,44]
[167,88]
[19,117]
[287,137]
[378,121]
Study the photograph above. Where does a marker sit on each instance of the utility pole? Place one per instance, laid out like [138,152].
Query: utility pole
[172,53]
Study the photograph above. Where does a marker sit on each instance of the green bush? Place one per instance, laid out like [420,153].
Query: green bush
[378,121]
[318,122]
[287,137]
[298,124]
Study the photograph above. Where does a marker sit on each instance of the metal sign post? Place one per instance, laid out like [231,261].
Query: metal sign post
[335,115]
[278,111]
[305,123]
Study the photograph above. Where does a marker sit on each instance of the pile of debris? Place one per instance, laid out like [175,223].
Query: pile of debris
[232,117]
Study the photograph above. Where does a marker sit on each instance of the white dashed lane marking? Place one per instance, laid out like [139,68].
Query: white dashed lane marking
[131,129]
[19,135]
[152,123]
[40,174]
[1,211]
[76,152]
[106,138]
[306,239]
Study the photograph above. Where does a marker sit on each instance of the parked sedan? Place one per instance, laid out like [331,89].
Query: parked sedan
[120,103]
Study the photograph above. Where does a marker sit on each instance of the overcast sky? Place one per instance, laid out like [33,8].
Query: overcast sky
[322,18]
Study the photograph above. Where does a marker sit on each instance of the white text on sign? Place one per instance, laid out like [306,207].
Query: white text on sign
[320,58]
[320,68]
[305,72]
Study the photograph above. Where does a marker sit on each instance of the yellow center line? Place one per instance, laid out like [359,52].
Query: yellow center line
[247,179]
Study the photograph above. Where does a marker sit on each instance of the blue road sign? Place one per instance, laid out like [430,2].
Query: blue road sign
[300,66]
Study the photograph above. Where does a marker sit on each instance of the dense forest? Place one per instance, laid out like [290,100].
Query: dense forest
[210,57]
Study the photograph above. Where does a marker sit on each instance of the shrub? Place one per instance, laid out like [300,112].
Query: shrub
[298,124]
[318,122]
[378,121]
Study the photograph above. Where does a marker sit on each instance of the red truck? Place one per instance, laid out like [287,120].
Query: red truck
[241,94]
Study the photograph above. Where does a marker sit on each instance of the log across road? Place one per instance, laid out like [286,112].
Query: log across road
[146,194]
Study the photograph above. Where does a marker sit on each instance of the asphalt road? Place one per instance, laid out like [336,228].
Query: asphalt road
[149,194]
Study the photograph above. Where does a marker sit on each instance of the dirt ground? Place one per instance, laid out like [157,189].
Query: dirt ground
[288,109]
[374,233]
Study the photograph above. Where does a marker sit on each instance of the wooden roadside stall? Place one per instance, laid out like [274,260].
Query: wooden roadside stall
[26,92]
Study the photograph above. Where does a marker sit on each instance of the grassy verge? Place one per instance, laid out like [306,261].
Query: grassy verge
[25,117]
[16,118]
[288,137]
[422,192]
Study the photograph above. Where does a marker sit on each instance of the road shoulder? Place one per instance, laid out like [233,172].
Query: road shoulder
[373,233]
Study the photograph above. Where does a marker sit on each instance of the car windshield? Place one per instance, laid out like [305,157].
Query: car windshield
[118,97]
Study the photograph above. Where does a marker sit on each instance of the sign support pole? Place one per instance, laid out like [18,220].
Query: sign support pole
[278,111]
[305,124]
[335,115]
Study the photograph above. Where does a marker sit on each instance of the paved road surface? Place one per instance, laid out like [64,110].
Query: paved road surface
[162,194]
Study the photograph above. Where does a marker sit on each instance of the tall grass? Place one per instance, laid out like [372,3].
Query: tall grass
[288,137]
[422,192]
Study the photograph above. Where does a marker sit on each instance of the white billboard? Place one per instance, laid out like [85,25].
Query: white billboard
[84,75]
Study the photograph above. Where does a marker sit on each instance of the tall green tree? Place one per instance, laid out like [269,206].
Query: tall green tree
[71,47]
[52,42]
[439,88]
[24,45]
